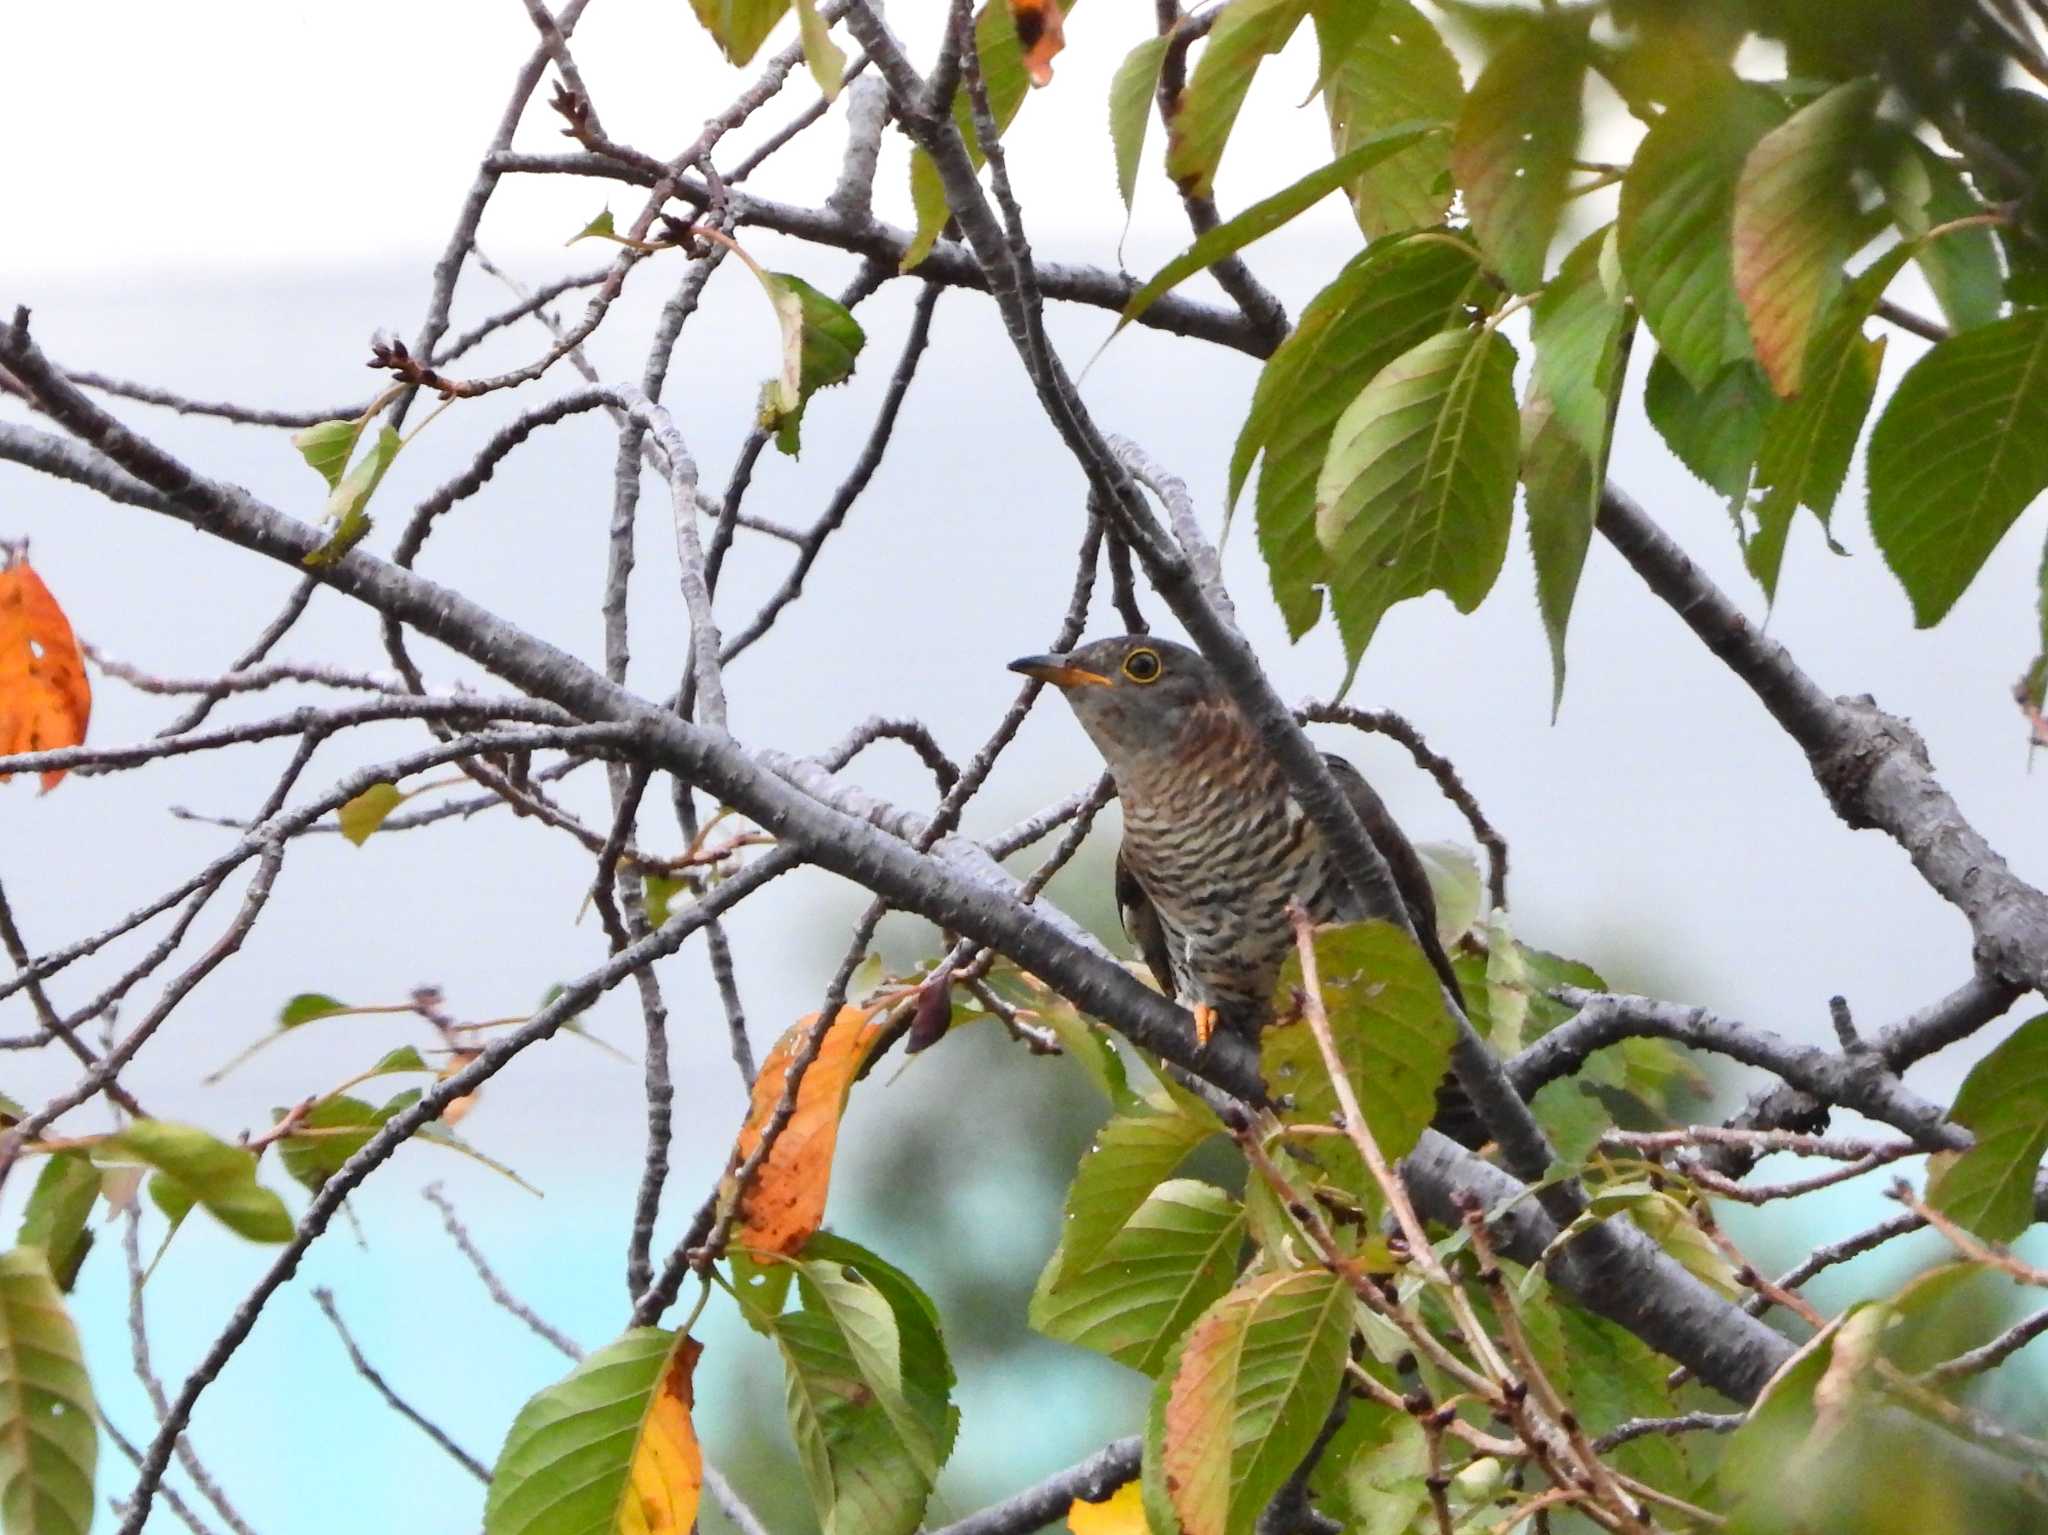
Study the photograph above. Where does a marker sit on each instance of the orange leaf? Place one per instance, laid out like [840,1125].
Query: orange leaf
[1121,1513]
[45,699]
[455,1108]
[785,1202]
[668,1466]
[1041,33]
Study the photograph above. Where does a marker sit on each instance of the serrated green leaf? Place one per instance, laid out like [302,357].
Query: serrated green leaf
[567,1464]
[206,1170]
[1130,110]
[2004,1101]
[1131,1156]
[1962,267]
[1795,223]
[820,342]
[1717,431]
[1576,326]
[1173,1259]
[1959,452]
[327,445]
[1262,218]
[1677,217]
[863,1478]
[361,816]
[1251,1390]
[1514,144]
[1417,491]
[55,1216]
[1807,443]
[345,503]
[49,1446]
[1389,298]
[825,59]
[1397,69]
[1579,328]
[1392,1033]
[739,26]
[1007,84]
[1245,34]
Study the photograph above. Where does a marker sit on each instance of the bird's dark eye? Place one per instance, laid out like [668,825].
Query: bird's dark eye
[1142,666]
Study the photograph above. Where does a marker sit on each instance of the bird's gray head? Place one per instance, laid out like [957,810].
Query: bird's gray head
[1135,694]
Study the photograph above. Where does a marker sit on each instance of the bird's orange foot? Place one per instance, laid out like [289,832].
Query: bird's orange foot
[1205,1023]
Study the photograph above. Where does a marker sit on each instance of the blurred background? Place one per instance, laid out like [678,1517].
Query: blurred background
[228,202]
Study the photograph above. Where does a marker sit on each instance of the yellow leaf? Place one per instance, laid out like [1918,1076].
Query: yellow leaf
[1121,1513]
[667,1470]
[785,1202]
[45,699]
[366,812]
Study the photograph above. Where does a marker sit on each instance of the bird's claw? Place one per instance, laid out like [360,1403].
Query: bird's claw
[1205,1024]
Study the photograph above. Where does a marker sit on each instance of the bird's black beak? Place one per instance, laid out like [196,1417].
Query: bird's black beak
[1060,671]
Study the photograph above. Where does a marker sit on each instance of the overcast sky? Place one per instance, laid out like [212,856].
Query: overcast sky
[227,200]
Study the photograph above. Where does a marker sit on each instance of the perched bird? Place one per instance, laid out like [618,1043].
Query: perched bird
[1215,844]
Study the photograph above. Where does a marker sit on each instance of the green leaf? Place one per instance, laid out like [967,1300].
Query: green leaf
[49,1446]
[1391,297]
[863,1478]
[205,1171]
[1262,218]
[367,811]
[1962,267]
[327,445]
[307,1006]
[346,501]
[827,62]
[1252,1388]
[1561,493]
[1576,326]
[1418,489]
[1131,1156]
[1717,431]
[1007,84]
[404,1058]
[1246,32]
[1130,110]
[1795,223]
[1579,327]
[1392,1033]
[1959,452]
[340,1127]
[739,26]
[567,1463]
[1677,219]
[820,342]
[440,1135]
[1808,441]
[1455,882]
[58,1207]
[1174,1258]
[1514,144]
[659,892]
[867,1323]
[2004,1101]
[1392,71]
[599,228]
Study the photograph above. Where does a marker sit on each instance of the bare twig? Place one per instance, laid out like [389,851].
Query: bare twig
[324,1299]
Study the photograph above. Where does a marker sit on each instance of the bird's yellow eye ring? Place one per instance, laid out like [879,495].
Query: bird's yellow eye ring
[1142,665]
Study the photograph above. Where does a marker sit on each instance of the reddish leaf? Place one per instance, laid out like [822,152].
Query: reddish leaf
[1041,33]
[45,699]
[785,1201]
